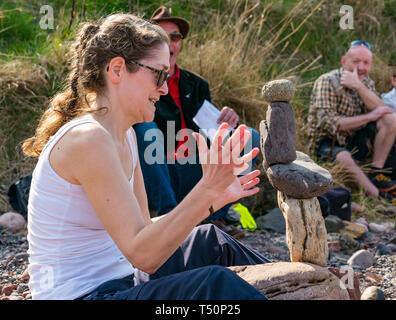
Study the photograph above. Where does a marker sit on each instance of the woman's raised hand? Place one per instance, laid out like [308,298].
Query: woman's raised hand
[222,163]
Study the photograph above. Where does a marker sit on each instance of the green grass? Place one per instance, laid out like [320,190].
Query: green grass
[236,45]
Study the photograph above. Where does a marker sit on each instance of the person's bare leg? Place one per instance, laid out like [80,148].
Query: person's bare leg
[358,176]
[384,139]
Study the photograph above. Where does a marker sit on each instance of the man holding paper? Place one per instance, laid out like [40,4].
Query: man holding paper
[185,109]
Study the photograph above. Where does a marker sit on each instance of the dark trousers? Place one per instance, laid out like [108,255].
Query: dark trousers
[196,271]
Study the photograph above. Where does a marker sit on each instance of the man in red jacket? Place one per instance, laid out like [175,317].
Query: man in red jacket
[167,184]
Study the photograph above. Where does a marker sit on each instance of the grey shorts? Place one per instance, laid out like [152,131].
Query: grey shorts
[360,145]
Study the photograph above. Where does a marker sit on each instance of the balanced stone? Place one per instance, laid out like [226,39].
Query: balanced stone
[293,281]
[278,134]
[306,234]
[278,90]
[301,179]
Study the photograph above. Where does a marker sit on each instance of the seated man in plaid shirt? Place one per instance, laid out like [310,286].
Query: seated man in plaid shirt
[348,121]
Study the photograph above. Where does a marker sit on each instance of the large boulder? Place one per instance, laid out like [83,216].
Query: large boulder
[293,281]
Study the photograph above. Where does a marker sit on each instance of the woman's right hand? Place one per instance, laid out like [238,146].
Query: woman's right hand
[221,164]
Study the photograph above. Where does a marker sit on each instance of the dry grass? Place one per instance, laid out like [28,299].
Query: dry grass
[24,88]
[242,51]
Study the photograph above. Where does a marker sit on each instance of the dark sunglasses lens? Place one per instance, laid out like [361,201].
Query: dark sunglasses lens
[162,77]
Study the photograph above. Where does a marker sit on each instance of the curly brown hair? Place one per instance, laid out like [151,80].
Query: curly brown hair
[119,35]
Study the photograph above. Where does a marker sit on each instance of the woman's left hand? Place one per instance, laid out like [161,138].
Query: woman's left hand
[243,186]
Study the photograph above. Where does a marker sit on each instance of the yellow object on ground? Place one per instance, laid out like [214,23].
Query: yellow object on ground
[247,221]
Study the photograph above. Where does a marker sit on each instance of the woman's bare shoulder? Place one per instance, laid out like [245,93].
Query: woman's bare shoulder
[83,145]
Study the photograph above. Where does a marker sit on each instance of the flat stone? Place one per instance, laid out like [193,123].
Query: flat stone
[273,220]
[381,228]
[306,235]
[278,90]
[354,230]
[361,258]
[301,179]
[278,134]
[333,223]
[293,281]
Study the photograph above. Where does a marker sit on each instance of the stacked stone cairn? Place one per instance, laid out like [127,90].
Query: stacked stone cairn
[297,178]
[298,181]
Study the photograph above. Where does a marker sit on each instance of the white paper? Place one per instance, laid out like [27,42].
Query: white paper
[206,119]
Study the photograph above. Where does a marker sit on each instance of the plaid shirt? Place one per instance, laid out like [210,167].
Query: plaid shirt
[329,102]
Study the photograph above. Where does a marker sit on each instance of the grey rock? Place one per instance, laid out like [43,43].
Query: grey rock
[278,134]
[273,220]
[392,240]
[278,90]
[333,224]
[392,246]
[373,293]
[301,179]
[382,249]
[362,258]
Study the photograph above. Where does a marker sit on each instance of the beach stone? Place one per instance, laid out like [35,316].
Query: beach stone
[278,90]
[361,258]
[273,220]
[350,281]
[383,249]
[7,290]
[392,246]
[392,240]
[293,281]
[333,223]
[12,221]
[278,134]
[347,244]
[306,234]
[334,246]
[373,293]
[354,230]
[301,179]
[380,228]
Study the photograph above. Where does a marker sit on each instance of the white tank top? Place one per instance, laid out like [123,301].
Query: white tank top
[70,252]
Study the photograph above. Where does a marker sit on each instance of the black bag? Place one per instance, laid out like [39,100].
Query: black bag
[18,194]
[391,162]
[336,202]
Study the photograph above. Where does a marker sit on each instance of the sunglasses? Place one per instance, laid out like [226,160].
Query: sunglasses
[175,36]
[356,43]
[162,75]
